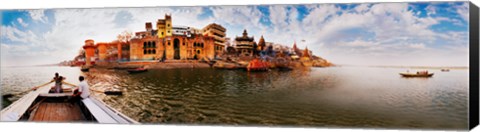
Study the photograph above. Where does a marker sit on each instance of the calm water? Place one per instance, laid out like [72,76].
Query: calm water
[320,97]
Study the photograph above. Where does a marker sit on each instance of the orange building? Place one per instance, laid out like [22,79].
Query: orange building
[158,44]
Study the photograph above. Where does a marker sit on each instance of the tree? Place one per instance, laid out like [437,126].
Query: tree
[125,36]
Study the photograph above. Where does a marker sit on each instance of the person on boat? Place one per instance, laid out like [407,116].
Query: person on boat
[81,92]
[58,83]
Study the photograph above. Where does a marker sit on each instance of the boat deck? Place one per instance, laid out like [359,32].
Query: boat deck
[57,112]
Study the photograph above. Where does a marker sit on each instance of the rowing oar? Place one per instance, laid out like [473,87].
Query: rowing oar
[105,92]
[34,88]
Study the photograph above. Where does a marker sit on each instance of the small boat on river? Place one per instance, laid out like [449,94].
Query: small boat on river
[445,70]
[257,65]
[417,74]
[42,106]
[84,69]
[137,70]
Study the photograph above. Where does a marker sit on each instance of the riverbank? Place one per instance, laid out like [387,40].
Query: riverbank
[227,63]
[152,65]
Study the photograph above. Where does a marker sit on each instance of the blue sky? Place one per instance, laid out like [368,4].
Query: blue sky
[433,34]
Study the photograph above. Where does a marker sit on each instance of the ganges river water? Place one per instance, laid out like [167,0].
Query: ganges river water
[320,97]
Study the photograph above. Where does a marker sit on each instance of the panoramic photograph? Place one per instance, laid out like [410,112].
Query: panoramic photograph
[359,65]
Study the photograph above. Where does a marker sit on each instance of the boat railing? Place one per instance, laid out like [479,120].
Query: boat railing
[14,111]
[106,114]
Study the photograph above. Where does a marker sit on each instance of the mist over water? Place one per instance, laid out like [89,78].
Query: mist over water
[319,97]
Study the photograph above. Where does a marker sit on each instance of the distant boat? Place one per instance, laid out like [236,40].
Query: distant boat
[418,74]
[257,65]
[85,69]
[137,70]
[445,70]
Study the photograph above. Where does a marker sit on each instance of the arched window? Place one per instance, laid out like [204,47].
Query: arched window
[154,52]
[144,51]
[194,44]
[183,43]
[198,51]
[202,45]
[168,43]
[144,44]
[154,44]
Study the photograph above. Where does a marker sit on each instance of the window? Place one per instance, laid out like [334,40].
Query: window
[183,43]
[168,43]
[144,51]
[162,33]
[154,52]
[144,44]
[168,31]
[168,25]
[198,51]
[154,44]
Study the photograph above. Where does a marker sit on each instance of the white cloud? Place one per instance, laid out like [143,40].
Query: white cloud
[431,10]
[16,35]
[20,20]
[38,15]
[362,8]
[462,10]
[416,46]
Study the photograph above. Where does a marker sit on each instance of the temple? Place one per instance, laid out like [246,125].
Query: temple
[244,44]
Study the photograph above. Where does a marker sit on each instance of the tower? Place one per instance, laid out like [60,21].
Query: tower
[148,26]
[168,25]
[164,27]
[89,48]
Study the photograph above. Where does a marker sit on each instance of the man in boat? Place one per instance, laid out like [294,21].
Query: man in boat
[82,91]
[58,83]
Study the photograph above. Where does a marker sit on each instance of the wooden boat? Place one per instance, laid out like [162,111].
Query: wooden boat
[257,65]
[84,69]
[416,74]
[445,70]
[137,70]
[282,65]
[225,65]
[41,106]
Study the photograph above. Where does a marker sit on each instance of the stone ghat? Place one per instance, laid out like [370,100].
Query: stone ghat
[168,64]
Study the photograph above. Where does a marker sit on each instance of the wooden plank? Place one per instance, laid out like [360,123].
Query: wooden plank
[40,112]
[58,112]
[46,116]
[55,94]
[55,115]
[65,112]
[79,115]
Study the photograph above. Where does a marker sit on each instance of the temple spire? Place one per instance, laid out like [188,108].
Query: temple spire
[295,45]
[261,43]
[306,52]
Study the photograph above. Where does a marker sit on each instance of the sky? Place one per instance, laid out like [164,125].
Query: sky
[400,34]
